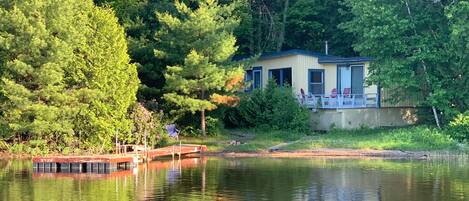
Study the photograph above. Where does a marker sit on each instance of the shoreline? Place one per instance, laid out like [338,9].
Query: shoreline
[330,153]
[313,153]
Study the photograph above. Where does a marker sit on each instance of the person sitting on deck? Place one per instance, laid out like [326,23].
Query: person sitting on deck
[173,131]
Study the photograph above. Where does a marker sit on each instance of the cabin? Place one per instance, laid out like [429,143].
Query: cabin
[333,87]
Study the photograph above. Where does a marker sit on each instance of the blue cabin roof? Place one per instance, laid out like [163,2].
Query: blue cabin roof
[322,58]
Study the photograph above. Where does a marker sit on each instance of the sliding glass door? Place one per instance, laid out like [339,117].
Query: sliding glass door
[345,78]
[350,77]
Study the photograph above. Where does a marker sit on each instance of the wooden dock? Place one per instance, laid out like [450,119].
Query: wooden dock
[109,163]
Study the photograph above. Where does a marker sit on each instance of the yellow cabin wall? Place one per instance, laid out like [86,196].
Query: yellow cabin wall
[300,64]
[276,63]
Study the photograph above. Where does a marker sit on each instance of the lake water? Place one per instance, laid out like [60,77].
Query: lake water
[215,178]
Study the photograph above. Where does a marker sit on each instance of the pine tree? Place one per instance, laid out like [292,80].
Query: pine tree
[199,43]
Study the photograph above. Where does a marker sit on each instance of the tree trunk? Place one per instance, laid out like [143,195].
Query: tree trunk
[427,79]
[202,124]
[281,38]
[202,115]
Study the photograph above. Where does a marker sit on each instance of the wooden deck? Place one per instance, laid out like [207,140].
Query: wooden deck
[108,163]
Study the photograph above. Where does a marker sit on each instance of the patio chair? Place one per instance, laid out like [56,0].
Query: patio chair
[348,98]
[308,100]
[329,101]
[302,97]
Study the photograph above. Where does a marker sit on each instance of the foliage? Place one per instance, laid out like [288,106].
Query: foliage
[459,127]
[199,43]
[144,125]
[309,27]
[412,138]
[273,107]
[418,46]
[65,73]
[139,21]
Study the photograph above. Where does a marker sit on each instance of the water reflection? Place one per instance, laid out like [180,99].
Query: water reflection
[247,179]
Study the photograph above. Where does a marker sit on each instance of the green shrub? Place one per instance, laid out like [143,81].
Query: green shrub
[459,127]
[273,107]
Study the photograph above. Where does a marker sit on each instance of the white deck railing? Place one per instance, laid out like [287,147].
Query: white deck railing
[336,101]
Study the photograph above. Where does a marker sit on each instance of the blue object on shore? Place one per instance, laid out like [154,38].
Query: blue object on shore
[172,131]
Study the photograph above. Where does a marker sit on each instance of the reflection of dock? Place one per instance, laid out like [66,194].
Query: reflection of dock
[109,175]
[153,165]
[108,163]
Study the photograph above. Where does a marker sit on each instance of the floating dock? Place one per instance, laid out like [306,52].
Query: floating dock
[154,165]
[109,163]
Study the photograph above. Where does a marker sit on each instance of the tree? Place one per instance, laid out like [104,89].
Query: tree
[65,73]
[139,21]
[199,42]
[311,23]
[416,46]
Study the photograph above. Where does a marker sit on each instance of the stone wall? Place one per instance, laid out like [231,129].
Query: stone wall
[363,117]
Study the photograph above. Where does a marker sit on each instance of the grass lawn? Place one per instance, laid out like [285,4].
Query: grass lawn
[250,140]
[417,138]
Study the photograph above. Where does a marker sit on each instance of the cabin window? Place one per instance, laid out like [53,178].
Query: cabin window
[255,77]
[281,76]
[316,81]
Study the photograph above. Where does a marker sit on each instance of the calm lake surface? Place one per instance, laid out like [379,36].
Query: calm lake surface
[215,178]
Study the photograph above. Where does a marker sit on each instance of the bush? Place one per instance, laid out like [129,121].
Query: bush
[459,127]
[274,107]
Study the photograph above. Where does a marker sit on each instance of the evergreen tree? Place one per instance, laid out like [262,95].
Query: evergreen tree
[199,42]
[139,21]
[65,72]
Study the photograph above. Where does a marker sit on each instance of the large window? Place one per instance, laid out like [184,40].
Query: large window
[254,76]
[316,81]
[281,76]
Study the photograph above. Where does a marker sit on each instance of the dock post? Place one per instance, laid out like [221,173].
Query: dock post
[100,167]
[112,167]
[172,152]
[76,167]
[94,167]
[88,167]
[46,167]
[65,167]
[53,167]
[180,149]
